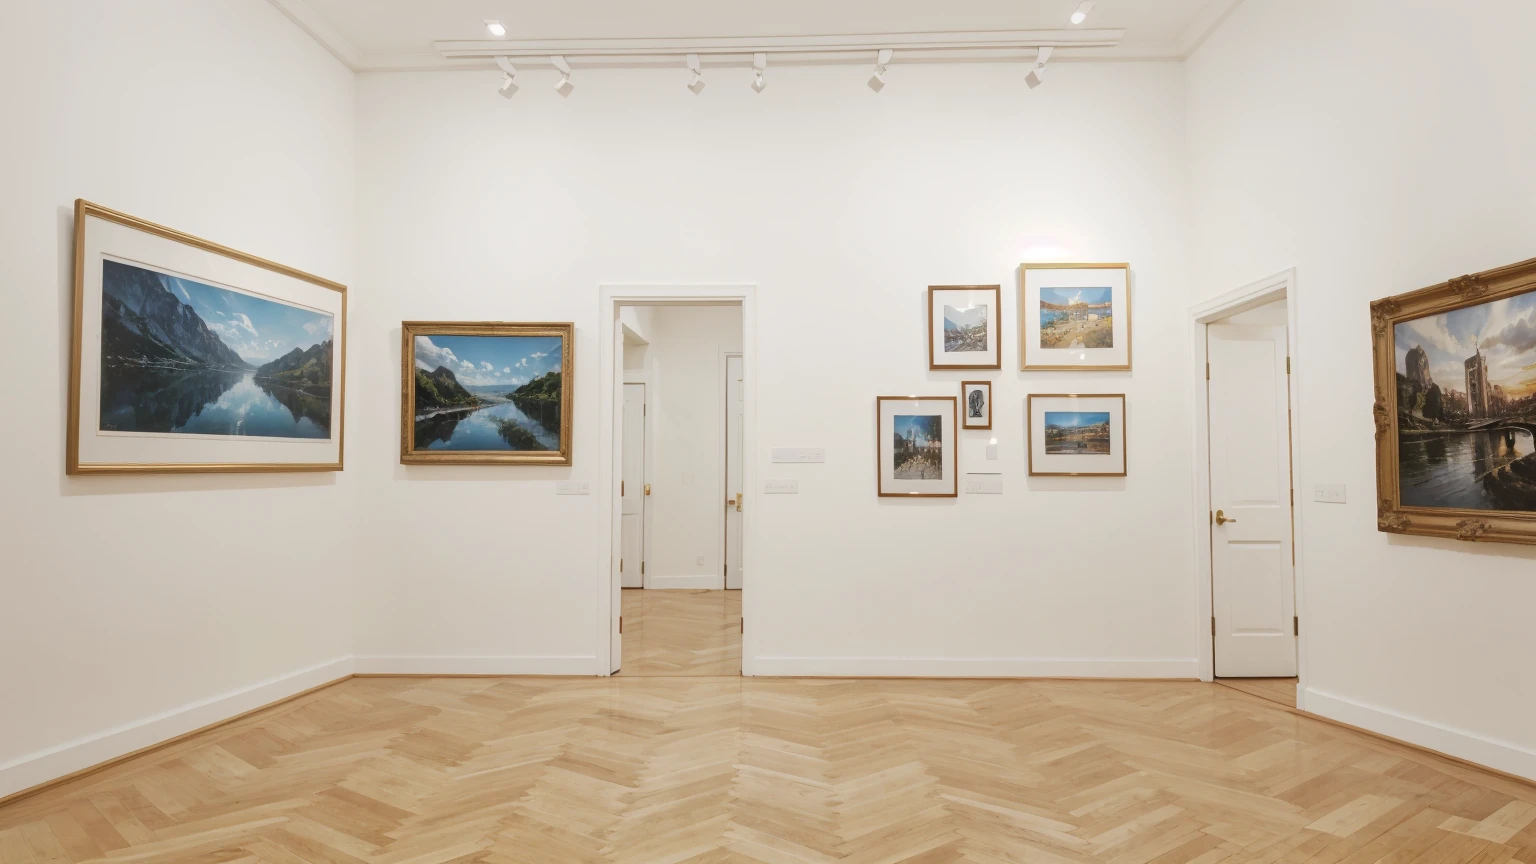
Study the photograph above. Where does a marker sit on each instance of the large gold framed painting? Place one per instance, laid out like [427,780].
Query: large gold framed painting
[1456,408]
[486,393]
[191,357]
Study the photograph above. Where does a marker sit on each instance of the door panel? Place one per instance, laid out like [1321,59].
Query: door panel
[733,469]
[632,501]
[1252,575]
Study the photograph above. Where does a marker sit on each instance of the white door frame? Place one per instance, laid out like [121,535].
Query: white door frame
[724,434]
[610,394]
[1281,286]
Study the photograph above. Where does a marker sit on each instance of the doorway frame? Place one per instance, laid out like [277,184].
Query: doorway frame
[1280,286]
[610,393]
[724,432]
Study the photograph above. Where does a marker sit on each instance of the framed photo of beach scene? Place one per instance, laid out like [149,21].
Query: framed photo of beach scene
[916,447]
[1076,435]
[486,393]
[1074,317]
[964,324]
[1455,374]
[192,357]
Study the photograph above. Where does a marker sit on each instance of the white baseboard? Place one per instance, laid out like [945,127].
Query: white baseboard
[977,667]
[33,769]
[505,665]
[1498,755]
[705,582]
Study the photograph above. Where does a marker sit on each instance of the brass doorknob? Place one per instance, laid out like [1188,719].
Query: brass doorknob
[1222,518]
[738,502]
[647,488]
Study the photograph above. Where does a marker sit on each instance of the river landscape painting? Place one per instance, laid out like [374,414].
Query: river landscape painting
[1077,433]
[1466,407]
[182,357]
[493,397]
[1077,318]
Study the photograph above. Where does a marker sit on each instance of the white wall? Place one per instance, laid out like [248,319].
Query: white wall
[688,471]
[1341,137]
[138,608]
[842,206]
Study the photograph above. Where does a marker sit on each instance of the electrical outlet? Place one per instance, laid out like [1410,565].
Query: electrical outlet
[1329,493]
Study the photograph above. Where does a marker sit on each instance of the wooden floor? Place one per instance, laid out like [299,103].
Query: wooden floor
[681,633]
[713,770]
[1281,691]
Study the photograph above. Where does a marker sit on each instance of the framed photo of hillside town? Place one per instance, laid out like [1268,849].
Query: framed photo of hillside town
[190,357]
[1076,435]
[916,448]
[1455,409]
[485,393]
[1074,317]
[964,324]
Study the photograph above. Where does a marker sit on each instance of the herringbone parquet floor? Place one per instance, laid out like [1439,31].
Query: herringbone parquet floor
[426,771]
[681,633]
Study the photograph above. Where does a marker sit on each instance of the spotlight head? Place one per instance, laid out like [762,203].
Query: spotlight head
[1036,77]
[495,28]
[758,83]
[697,83]
[877,81]
[1083,9]
[759,63]
[564,85]
[508,87]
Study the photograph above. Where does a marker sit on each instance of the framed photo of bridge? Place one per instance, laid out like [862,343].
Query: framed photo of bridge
[1076,435]
[1074,317]
[191,357]
[485,393]
[964,324]
[1455,373]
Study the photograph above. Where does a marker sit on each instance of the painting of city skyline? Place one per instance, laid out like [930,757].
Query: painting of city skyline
[918,451]
[1077,318]
[1077,433]
[1466,406]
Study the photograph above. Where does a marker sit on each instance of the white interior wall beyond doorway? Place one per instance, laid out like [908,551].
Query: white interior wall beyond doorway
[690,306]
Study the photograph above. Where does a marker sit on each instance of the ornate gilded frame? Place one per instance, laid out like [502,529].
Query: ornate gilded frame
[408,333]
[1024,364]
[1392,517]
[72,464]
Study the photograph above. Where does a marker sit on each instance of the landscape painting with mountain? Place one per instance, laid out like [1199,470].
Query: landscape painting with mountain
[1077,318]
[1466,407]
[487,393]
[180,356]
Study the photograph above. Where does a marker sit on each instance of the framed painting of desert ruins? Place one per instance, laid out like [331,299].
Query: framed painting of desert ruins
[192,357]
[1074,317]
[1455,407]
[485,393]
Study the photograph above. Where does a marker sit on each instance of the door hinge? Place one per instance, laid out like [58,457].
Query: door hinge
[621,565]
[644,410]
[642,568]
[1213,625]
[621,625]
[1296,625]
[1287,365]
[1207,370]
[621,488]
[743,625]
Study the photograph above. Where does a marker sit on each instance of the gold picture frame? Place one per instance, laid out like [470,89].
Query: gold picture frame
[1488,413]
[1026,328]
[947,446]
[995,331]
[1029,417]
[76,464]
[409,421]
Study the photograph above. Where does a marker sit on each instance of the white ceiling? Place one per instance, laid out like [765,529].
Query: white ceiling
[399,34]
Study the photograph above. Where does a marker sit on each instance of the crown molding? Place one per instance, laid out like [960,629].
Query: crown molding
[321,31]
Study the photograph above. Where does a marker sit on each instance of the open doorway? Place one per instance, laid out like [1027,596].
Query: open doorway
[681,438]
[1246,483]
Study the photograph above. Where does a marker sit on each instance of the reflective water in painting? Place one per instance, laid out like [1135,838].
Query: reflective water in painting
[1468,470]
[498,426]
[135,399]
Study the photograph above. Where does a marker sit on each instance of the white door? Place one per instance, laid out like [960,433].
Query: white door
[733,470]
[632,489]
[1252,571]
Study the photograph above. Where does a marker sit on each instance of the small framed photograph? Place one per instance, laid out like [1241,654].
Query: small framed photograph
[1077,435]
[976,404]
[485,393]
[917,446]
[964,327]
[1074,317]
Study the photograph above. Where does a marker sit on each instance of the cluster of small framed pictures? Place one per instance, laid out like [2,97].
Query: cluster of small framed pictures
[1072,317]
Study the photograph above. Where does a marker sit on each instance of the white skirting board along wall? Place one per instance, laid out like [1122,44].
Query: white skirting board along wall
[980,667]
[33,769]
[698,581]
[509,665]
[1498,755]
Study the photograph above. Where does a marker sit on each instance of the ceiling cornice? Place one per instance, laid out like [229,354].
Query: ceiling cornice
[321,31]
[1211,16]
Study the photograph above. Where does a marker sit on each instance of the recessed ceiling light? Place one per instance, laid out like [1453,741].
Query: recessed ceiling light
[1083,9]
[496,27]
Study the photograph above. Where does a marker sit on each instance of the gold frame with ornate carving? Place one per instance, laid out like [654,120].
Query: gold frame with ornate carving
[409,330]
[1504,526]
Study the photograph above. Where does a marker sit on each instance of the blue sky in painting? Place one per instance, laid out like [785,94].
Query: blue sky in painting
[256,328]
[1505,331]
[1068,296]
[1074,419]
[490,360]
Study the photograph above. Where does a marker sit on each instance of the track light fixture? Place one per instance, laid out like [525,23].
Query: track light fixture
[1083,9]
[759,63]
[509,72]
[877,80]
[495,28]
[1036,75]
[564,85]
[697,84]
